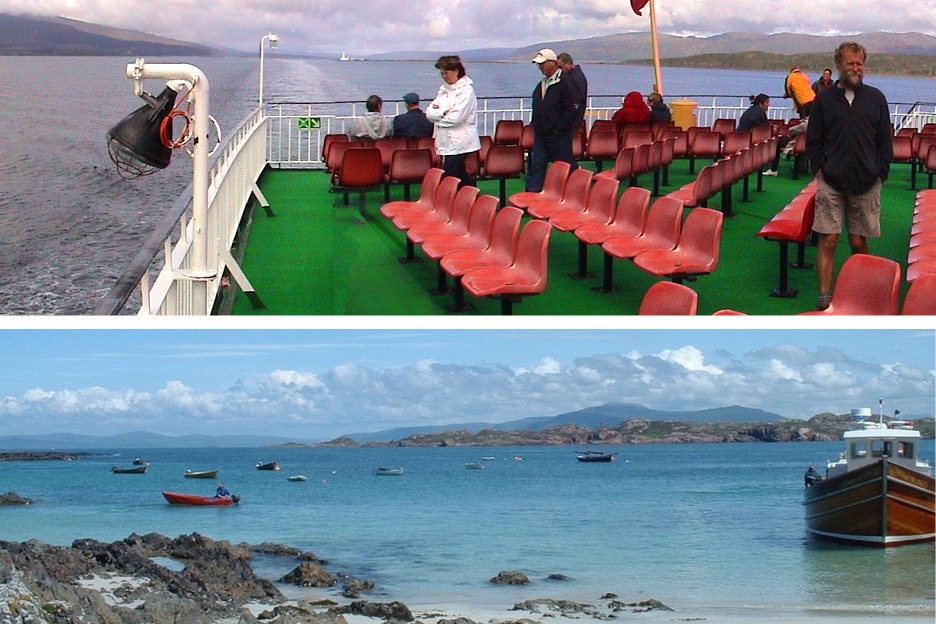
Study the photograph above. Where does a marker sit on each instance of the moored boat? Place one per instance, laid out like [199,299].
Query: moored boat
[201,474]
[296,478]
[139,462]
[595,456]
[134,470]
[393,472]
[268,466]
[879,492]
[474,466]
[178,498]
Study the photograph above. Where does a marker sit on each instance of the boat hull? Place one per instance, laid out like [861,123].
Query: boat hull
[268,466]
[134,470]
[881,504]
[178,498]
[388,472]
[202,474]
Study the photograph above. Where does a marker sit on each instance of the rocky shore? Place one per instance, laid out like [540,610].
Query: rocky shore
[40,456]
[191,579]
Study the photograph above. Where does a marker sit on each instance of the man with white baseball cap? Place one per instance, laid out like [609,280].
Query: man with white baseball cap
[555,112]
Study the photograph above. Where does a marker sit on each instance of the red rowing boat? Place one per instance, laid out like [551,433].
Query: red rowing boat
[176,498]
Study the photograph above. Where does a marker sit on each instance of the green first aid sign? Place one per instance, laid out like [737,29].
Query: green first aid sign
[309,123]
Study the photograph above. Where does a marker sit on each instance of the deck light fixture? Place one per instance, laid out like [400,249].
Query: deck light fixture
[274,41]
[135,144]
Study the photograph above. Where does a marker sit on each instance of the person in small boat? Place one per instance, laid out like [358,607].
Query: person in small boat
[756,115]
[413,123]
[812,476]
[633,111]
[222,492]
[454,113]
[373,124]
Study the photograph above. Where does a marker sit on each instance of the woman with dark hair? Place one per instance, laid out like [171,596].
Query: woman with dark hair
[756,115]
[454,114]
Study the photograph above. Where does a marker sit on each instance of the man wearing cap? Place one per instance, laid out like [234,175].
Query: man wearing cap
[412,123]
[555,113]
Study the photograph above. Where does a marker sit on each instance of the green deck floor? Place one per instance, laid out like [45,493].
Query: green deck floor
[315,257]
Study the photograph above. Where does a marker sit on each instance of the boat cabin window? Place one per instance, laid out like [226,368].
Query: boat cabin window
[858,450]
[880,448]
[905,449]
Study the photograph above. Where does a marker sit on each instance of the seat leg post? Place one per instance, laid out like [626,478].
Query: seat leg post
[608,268]
[441,282]
[506,306]
[783,290]
[582,271]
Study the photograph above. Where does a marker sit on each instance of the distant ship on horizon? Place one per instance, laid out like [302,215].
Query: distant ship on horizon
[344,57]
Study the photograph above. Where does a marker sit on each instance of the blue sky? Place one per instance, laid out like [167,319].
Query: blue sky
[318,384]
[372,26]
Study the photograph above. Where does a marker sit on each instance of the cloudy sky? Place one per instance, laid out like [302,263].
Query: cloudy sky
[315,385]
[370,26]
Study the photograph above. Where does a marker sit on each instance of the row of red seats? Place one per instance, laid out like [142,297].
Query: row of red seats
[485,251]
[792,224]
[921,257]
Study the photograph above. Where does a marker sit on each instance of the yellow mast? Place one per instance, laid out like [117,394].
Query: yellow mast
[657,80]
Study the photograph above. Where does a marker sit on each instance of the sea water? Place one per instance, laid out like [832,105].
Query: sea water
[699,526]
[69,225]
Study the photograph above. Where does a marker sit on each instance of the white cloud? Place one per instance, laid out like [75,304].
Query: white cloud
[370,26]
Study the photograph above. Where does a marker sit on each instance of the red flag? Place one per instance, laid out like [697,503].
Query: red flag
[638,4]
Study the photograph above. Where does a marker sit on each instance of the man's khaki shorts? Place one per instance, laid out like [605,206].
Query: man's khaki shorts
[862,213]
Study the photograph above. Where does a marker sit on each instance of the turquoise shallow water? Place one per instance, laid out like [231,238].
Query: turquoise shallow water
[696,526]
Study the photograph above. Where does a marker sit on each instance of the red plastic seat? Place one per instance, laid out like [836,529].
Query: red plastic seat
[668,299]
[336,152]
[438,212]
[429,144]
[553,186]
[628,220]
[526,275]
[388,145]
[696,253]
[735,141]
[697,193]
[633,137]
[921,296]
[526,138]
[407,167]
[508,132]
[724,126]
[457,222]
[502,163]
[476,236]
[598,209]
[865,285]
[661,231]
[573,198]
[623,166]
[361,171]
[427,189]
[792,224]
[759,134]
[327,141]
[602,146]
[705,144]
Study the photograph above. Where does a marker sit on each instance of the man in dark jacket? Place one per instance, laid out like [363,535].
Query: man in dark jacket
[849,144]
[412,123]
[574,73]
[555,113]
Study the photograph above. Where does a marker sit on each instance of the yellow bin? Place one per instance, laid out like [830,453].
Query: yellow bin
[683,113]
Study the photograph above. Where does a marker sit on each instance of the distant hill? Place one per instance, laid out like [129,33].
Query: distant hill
[609,415]
[134,440]
[22,35]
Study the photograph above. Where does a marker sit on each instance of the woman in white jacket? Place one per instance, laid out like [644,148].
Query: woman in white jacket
[454,114]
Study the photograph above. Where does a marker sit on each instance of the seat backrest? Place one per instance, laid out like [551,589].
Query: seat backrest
[724,126]
[429,144]
[624,163]
[388,145]
[903,148]
[602,145]
[332,138]
[633,138]
[430,183]
[681,137]
[907,131]
[866,284]
[601,198]
[735,141]
[410,165]
[576,190]
[655,155]
[641,161]
[504,161]
[706,183]
[532,248]
[668,151]
[799,144]
[508,132]
[701,235]
[921,296]
[481,217]
[578,144]
[668,298]
[602,125]
[504,234]
[336,152]
[926,140]
[663,221]
[461,208]
[444,197]
[526,139]
[361,167]
[761,133]
[706,143]
[632,209]
[557,174]
[930,161]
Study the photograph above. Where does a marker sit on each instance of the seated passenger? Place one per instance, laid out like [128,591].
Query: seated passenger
[412,123]
[373,124]
[632,111]
[812,476]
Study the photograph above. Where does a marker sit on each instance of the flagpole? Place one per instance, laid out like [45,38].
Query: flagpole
[657,79]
